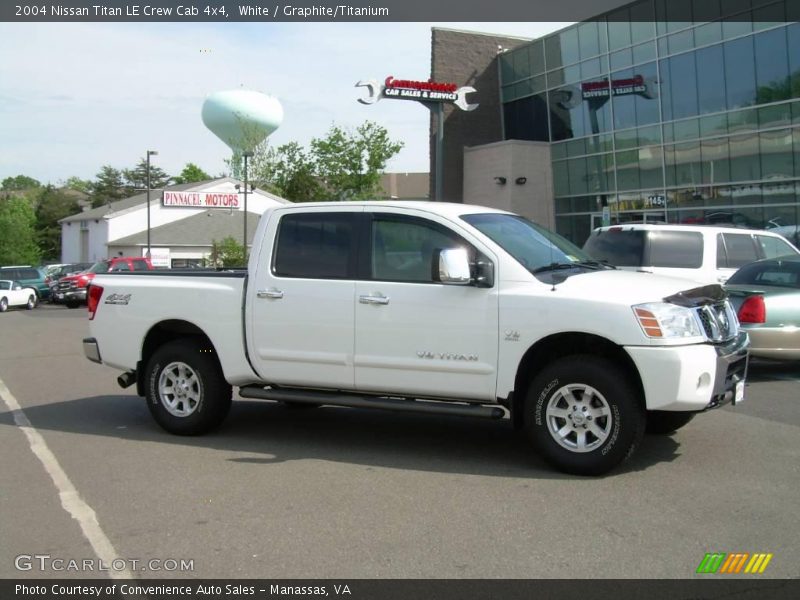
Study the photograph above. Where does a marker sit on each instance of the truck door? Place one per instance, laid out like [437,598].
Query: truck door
[414,335]
[300,300]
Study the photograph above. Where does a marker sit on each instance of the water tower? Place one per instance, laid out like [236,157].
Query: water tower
[242,119]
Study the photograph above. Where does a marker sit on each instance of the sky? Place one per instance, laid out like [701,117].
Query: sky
[77,96]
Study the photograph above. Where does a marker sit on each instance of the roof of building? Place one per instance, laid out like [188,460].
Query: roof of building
[198,230]
[113,209]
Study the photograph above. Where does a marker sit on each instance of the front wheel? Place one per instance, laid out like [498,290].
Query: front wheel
[583,415]
[663,422]
[72,303]
[3,304]
[186,391]
[31,304]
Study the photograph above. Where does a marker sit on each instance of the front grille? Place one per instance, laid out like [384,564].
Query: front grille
[718,321]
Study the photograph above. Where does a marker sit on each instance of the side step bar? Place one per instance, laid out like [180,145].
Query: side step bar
[396,404]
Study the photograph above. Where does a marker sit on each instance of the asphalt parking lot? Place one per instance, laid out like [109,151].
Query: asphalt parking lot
[346,493]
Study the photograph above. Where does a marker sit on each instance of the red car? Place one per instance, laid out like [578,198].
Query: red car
[71,290]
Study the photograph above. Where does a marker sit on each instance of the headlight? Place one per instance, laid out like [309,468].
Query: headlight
[661,320]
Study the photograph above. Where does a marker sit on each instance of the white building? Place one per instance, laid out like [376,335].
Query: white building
[184,221]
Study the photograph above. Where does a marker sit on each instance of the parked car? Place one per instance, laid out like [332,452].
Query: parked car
[57,273]
[705,254]
[13,293]
[71,290]
[766,296]
[28,276]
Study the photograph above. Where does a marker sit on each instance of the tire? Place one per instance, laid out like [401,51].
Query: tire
[3,304]
[580,435]
[72,304]
[31,302]
[205,397]
[663,422]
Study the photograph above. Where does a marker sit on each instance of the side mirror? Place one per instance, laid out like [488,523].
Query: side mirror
[451,266]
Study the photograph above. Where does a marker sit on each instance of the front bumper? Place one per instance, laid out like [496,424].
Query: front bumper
[691,378]
[78,295]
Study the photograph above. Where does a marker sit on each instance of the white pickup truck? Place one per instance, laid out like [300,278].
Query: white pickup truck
[430,307]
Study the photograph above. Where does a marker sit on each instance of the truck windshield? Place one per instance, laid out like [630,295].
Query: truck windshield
[534,247]
[99,267]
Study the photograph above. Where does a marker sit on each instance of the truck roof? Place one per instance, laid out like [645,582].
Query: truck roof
[450,209]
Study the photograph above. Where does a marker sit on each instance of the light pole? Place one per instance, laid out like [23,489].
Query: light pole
[247,154]
[149,154]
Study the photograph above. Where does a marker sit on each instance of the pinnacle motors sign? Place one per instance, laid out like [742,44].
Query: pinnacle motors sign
[201,200]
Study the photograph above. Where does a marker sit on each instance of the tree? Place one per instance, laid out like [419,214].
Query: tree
[136,178]
[78,184]
[287,171]
[19,183]
[227,253]
[341,166]
[350,164]
[108,187]
[52,204]
[17,232]
[191,174]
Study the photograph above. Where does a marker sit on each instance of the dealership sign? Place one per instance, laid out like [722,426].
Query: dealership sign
[422,91]
[201,199]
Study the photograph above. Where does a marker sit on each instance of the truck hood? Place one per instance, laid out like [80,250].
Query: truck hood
[634,287]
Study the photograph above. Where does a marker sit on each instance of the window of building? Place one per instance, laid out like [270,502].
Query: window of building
[716,161]
[772,66]
[526,119]
[316,246]
[744,155]
[793,47]
[536,57]
[651,172]
[589,39]
[680,86]
[561,178]
[710,80]
[628,170]
[777,161]
[740,75]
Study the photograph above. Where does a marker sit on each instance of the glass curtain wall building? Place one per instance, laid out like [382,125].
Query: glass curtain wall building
[679,111]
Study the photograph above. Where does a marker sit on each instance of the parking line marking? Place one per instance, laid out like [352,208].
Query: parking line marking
[71,500]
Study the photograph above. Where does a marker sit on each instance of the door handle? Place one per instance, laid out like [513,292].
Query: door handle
[374,299]
[270,293]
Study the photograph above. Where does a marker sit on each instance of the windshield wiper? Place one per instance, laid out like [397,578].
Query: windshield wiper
[580,264]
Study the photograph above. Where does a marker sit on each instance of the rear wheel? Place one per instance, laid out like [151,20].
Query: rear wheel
[583,415]
[663,422]
[186,391]
[3,304]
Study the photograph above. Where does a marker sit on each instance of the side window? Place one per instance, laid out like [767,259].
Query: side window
[402,249]
[740,248]
[140,265]
[316,246]
[774,247]
[679,249]
[120,266]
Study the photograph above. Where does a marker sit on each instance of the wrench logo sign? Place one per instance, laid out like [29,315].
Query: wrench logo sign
[421,91]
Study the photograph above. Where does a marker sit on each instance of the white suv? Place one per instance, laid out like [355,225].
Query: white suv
[702,253]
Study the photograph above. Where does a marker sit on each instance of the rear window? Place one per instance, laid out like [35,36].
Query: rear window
[617,247]
[140,265]
[784,274]
[316,246]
